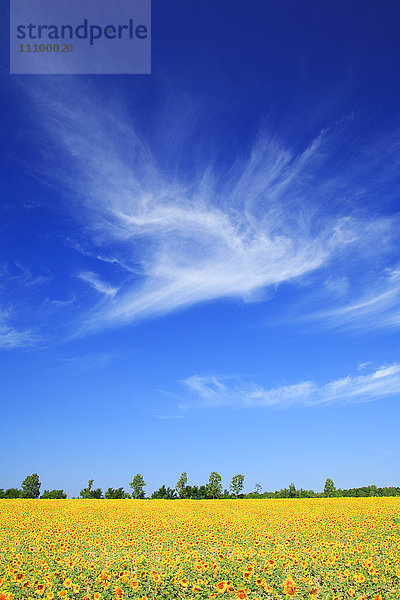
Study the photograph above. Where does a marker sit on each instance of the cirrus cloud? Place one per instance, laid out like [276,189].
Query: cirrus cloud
[213,391]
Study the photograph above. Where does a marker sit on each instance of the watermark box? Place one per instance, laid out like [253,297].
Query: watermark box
[80,37]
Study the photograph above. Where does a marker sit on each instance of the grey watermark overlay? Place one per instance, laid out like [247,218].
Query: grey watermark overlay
[80,37]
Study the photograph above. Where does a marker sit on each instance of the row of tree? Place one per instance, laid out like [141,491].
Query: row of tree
[212,490]
[30,488]
[330,491]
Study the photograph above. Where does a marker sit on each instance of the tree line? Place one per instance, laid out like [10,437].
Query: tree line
[30,488]
[330,491]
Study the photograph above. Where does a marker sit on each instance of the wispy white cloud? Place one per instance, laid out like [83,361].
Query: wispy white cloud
[113,260]
[14,277]
[27,278]
[213,232]
[214,391]
[85,362]
[18,274]
[363,365]
[12,337]
[379,307]
[98,284]
[337,286]
[169,417]
[54,304]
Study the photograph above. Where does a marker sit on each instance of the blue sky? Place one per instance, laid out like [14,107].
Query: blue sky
[200,268]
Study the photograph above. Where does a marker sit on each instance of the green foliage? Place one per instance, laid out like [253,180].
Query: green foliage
[118,494]
[137,485]
[164,493]
[290,492]
[236,485]
[214,486]
[370,490]
[86,493]
[89,494]
[192,492]
[196,493]
[329,489]
[31,486]
[213,489]
[53,495]
[181,485]
[10,494]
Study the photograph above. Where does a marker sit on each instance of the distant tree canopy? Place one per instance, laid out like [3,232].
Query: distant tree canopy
[118,494]
[214,486]
[31,486]
[164,493]
[329,489]
[53,495]
[137,484]
[195,492]
[88,493]
[181,485]
[10,494]
[236,486]
[370,490]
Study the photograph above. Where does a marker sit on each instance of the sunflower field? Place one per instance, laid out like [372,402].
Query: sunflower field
[336,548]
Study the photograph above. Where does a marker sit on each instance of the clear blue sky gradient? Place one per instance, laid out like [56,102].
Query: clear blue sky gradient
[200,268]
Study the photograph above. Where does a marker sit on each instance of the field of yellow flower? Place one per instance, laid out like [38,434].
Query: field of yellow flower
[229,549]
